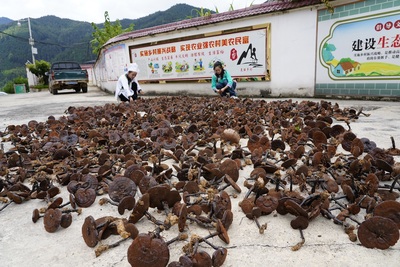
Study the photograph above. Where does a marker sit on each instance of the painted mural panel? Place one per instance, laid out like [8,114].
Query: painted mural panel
[243,53]
[115,62]
[360,48]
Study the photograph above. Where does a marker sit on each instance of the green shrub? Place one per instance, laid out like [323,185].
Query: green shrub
[41,86]
[9,87]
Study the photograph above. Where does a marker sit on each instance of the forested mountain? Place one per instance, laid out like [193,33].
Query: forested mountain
[4,20]
[64,39]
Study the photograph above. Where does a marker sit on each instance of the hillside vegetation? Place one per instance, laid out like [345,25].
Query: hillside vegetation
[64,39]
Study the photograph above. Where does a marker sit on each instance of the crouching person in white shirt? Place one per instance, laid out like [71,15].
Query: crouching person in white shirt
[128,85]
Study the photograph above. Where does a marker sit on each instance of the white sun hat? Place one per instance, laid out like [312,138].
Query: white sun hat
[133,67]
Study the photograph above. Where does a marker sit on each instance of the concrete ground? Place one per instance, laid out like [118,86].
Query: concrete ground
[23,243]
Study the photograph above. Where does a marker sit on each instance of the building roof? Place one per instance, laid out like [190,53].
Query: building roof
[346,65]
[268,7]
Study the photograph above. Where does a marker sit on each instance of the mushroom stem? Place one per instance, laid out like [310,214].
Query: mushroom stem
[211,235]
[308,200]
[386,186]
[196,246]
[158,231]
[6,205]
[63,205]
[208,243]
[348,124]
[394,183]
[302,235]
[261,228]
[224,187]
[337,198]
[301,243]
[329,215]
[278,183]
[79,211]
[166,208]
[181,236]
[216,182]
[354,220]
[339,204]
[169,242]
[102,248]
[153,219]
[105,200]
[361,200]
[313,188]
[200,223]
[249,192]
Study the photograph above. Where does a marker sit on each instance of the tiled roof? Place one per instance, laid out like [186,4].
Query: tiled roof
[264,8]
[346,65]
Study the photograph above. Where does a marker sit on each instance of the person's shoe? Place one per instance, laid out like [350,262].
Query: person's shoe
[234,97]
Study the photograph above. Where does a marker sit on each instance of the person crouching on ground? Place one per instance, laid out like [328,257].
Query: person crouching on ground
[222,82]
[128,85]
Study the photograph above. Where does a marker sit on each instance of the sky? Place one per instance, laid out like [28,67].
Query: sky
[93,10]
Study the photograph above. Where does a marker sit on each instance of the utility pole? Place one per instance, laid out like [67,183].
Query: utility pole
[31,40]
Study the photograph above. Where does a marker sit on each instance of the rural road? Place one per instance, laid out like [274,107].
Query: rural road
[326,244]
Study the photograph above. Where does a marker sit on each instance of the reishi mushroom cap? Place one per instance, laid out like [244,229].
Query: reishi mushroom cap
[142,205]
[219,256]
[182,218]
[389,209]
[299,222]
[120,188]
[147,250]
[378,232]
[52,220]
[89,232]
[85,197]
[222,233]
[126,203]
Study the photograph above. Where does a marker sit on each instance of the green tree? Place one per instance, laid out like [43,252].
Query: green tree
[201,12]
[102,35]
[346,59]
[39,69]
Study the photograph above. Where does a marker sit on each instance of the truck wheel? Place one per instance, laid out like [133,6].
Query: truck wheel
[84,89]
[55,91]
[77,90]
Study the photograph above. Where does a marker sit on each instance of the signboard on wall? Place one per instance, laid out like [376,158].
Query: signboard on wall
[114,62]
[242,53]
[362,48]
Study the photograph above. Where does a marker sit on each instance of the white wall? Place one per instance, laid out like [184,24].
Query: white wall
[293,40]
[32,79]
[89,69]
[293,53]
